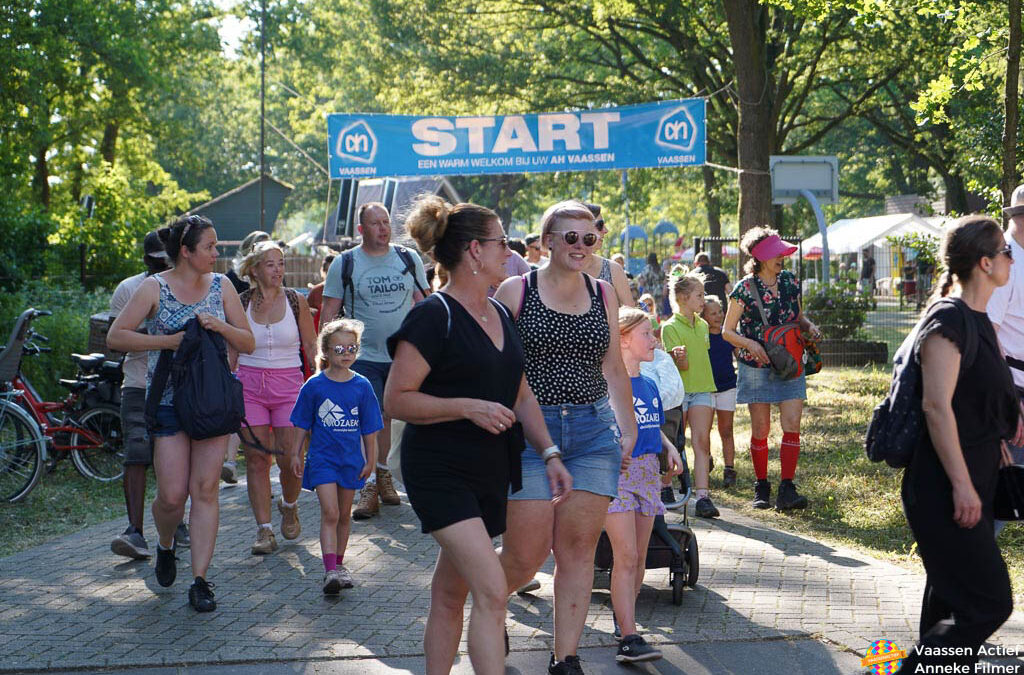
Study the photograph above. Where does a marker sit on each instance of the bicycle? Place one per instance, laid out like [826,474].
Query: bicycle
[86,425]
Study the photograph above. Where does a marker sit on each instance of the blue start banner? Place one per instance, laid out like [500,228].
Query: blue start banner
[663,134]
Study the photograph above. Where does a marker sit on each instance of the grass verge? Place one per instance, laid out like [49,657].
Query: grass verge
[853,501]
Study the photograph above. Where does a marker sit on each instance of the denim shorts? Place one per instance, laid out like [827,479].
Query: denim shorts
[377,373]
[167,422]
[700,398]
[762,385]
[588,437]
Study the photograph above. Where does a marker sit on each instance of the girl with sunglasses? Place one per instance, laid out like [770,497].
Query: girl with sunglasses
[568,323]
[337,409]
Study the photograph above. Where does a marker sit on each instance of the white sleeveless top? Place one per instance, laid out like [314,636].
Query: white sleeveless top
[277,344]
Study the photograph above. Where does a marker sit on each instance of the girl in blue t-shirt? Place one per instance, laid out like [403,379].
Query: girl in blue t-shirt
[338,409]
[631,514]
[724,398]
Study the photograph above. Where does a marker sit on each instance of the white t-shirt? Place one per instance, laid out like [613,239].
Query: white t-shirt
[135,362]
[1006,311]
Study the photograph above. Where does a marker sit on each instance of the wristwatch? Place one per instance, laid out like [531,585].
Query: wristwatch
[551,453]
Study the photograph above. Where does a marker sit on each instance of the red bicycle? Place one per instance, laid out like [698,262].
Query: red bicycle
[86,425]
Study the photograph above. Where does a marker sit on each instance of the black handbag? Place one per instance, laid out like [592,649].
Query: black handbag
[1009,499]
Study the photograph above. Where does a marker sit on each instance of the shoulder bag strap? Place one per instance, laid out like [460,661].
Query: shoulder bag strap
[752,287]
[410,268]
[448,327]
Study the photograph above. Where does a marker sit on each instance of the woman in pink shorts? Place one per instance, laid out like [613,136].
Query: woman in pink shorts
[272,376]
[631,515]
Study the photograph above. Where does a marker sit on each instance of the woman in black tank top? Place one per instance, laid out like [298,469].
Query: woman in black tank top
[568,324]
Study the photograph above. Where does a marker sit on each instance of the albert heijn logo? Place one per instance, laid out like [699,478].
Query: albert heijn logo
[677,130]
[357,142]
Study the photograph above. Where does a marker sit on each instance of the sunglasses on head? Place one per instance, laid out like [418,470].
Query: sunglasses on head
[572,236]
[345,349]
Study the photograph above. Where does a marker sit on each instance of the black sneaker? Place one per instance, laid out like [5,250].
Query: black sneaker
[635,649]
[200,596]
[789,498]
[166,568]
[131,544]
[668,495]
[728,477]
[705,508]
[571,666]
[762,494]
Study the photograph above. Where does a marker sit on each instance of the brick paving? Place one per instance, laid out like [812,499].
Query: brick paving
[72,604]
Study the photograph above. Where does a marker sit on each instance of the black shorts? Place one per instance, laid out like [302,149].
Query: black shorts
[444,490]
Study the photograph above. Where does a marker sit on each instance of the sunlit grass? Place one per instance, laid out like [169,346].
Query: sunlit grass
[853,501]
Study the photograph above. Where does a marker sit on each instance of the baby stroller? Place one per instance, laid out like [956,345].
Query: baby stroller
[672,546]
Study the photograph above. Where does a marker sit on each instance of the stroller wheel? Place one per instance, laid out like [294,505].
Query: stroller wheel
[677,588]
[692,562]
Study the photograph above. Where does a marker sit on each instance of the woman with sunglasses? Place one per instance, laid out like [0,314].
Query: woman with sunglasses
[603,268]
[271,378]
[184,467]
[457,381]
[757,385]
[568,323]
[970,406]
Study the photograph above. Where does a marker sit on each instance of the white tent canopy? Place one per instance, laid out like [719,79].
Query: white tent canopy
[853,235]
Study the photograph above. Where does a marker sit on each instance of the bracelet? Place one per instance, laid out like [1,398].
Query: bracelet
[550,454]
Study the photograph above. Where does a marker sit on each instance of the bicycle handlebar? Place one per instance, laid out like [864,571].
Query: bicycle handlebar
[42,312]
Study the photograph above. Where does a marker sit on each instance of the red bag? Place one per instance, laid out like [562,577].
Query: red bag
[783,343]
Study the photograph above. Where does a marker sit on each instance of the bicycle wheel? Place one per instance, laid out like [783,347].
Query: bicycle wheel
[22,449]
[104,462]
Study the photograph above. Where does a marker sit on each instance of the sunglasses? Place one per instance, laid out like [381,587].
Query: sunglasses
[1006,250]
[343,349]
[503,240]
[572,236]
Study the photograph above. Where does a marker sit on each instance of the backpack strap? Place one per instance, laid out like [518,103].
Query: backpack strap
[501,308]
[293,301]
[970,336]
[448,310]
[347,263]
[410,268]
[157,386]
[245,297]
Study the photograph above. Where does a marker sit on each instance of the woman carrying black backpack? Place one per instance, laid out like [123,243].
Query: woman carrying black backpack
[949,486]
[184,467]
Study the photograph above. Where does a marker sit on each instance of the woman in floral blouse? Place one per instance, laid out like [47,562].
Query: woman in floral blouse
[758,386]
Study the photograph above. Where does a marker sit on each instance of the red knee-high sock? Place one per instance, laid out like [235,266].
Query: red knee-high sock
[759,457]
[789,454]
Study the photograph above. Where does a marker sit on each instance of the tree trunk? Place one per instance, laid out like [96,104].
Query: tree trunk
[755,139]
[1011,104]
[41,179]
[714,209]
[956,193]
[108,146]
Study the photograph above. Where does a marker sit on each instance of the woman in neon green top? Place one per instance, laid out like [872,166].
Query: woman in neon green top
[686,338]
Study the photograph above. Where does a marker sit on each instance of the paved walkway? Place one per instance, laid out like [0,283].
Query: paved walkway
[767,601]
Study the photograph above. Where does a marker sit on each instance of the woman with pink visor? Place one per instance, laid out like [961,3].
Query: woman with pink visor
[757,384]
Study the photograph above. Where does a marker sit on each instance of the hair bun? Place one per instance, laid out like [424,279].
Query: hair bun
[164,233]
[441,216]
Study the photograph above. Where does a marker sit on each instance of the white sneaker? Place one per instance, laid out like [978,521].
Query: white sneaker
[332,583]
[345,577]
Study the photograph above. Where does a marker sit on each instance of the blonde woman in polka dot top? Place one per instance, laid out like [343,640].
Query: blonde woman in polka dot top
[568,324]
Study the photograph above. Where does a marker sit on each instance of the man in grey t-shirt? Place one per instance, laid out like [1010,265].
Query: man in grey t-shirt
[383,290]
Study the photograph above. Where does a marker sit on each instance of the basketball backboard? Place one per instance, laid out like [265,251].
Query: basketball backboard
[791,174]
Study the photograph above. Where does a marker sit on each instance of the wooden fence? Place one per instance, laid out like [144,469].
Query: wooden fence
[299,270]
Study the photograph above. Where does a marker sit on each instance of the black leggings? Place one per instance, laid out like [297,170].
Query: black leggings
[967,596]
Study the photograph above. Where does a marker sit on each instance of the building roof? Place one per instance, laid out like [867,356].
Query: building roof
[236,213]
[851,235]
